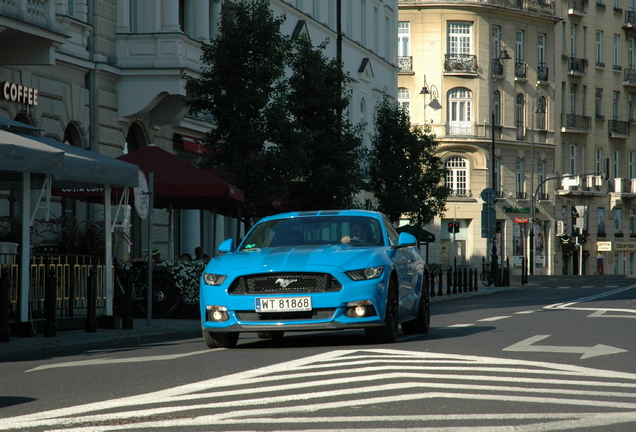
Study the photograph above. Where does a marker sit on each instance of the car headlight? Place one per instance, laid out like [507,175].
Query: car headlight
[213,279]
[366,273]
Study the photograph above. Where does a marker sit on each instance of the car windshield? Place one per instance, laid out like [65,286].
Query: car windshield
[318,230]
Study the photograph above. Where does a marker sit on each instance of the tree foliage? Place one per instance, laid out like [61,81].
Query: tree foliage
[406,174]
[331,173]
[276,104]
[240,84]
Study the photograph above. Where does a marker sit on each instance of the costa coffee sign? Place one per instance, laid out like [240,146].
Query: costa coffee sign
[19,93]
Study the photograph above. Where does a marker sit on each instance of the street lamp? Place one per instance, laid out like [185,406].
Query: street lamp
[433,93]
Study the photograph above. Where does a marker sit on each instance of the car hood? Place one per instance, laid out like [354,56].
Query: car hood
[305,258]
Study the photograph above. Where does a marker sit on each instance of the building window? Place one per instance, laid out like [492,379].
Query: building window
[599,49]
[630,167]
[541,178]
[519,116]
[573,159]
[631,100]
[631,53]
[573,34]
[459,112]
[404,39]
[617,51]
[496,97]
[541,109]
[404,99]
[519,175]
[598,104]
[457,175]
[459,37]
[600,213]
[519,45]
[573,94]
[616,160]
[598,160]
[615,105]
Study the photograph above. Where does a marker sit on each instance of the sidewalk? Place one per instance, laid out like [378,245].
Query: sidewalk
[159,327]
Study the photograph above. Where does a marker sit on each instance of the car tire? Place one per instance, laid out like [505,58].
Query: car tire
[270,335]
[220,340]
[421,324]
[388,332]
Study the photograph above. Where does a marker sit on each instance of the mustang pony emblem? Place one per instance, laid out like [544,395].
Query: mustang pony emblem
[284,283]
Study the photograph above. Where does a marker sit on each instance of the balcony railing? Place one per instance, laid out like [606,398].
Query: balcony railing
[405,63]
[521,70]
[460,63]
[460,193]
[497,67]
[618,129]
[542,73]
[545,7]
[629,77]
[577,7]
[576,66]
[575,123]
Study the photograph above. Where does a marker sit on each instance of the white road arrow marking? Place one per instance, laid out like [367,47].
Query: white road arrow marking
[597,350]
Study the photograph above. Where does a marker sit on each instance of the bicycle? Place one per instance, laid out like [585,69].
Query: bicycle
[486,275]
[166,297]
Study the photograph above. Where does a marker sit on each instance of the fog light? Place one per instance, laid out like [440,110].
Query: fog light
[359,309]
[217,313]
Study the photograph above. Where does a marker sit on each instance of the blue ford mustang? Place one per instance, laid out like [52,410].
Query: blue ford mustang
[318,270]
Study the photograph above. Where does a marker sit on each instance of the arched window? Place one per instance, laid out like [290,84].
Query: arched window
[519,118]
[457,175]
[460,111]
[136,138]
[404,98]
[540,112]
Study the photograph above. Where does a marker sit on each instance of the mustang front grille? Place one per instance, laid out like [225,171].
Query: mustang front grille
[268,283]
[316,314]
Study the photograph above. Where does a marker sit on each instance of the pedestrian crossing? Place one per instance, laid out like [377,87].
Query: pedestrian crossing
[367,390]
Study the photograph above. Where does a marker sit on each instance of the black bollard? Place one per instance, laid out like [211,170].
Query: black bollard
[425,283]
[440,291]
[50,298]
[432,273]
[449,281]
[5,304]
[475,280]
[454,281]
[127,319]
[91,303]
[471,276]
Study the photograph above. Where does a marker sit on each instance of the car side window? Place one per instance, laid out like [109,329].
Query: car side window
[391,233]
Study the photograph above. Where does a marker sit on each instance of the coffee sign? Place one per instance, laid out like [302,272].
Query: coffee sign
[18,93]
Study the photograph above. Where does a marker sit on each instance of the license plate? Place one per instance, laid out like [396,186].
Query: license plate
[282,304]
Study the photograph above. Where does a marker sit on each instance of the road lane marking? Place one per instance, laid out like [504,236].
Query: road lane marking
[110,360]
[598,312]
[495,318]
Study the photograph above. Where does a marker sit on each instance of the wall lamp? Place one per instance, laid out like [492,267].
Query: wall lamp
[433,92]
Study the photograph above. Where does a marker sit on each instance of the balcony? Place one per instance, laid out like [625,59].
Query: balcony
[630,23]
[572,123]
[497,69]
[576,66]
[460,193]
[405,63]
[460,64]
[577,7]
[521,71]
[618,129]
[600,5]
[629,77]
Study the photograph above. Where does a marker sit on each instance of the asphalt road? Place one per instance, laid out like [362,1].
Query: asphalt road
[557,355]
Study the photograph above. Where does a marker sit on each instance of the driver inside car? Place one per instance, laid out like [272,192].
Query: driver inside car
[357,234]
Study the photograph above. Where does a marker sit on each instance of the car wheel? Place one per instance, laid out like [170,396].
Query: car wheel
[270,335]
[388,332]
[421,324]
[220,340]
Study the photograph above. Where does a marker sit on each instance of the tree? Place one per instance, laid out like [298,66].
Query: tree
[406,174]
[330,146]
[241,86]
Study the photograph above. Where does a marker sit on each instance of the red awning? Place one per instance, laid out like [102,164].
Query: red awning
[176,182]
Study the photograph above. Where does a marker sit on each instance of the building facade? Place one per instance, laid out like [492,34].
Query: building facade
[108,76]
[480,73]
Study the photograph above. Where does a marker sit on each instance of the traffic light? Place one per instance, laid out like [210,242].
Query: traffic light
[456,227]
[450,227]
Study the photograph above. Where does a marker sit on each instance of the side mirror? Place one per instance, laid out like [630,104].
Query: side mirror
[226,246]
[406,239]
